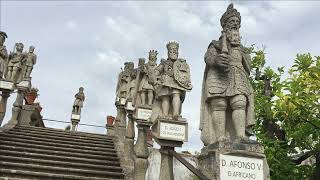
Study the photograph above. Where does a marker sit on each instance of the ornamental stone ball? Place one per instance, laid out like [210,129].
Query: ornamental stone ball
[227,106]
[78,102]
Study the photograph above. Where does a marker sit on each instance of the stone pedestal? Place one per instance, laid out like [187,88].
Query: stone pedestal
[169,134]
[15,111]
[141,150]
[26,113]
[234,160]
[3,104]
[75,119]
[110,130]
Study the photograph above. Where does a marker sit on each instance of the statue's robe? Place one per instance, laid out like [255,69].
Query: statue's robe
[226,85]
[3,60]
[168,84]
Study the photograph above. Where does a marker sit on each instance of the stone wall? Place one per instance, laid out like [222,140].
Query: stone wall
[179,170]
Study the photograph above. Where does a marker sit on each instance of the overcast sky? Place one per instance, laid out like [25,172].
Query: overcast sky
[86,43]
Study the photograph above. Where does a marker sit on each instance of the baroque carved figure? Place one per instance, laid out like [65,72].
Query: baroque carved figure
[30,61]
[123,81]
[171,80]
[78,102]
[3,54]
[146,72]
[16,59]
[227,107]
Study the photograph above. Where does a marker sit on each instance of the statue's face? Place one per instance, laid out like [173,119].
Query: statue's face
[153,58]
[173,53]
[233,22]
[2,39]
[31,49]
[232,31]
[81,89]
[19,47]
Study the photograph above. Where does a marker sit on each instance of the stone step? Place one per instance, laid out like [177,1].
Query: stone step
[107,167]
[44,139]
[19,174]
[58,158]
[64,144]
[68,139]
[110,157]
[61,170]
[59,131]
[65,134]
[57,148]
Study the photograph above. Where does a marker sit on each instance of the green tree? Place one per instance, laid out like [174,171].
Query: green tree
[288,120]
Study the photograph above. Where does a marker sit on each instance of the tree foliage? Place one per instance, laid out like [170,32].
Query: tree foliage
[288,119]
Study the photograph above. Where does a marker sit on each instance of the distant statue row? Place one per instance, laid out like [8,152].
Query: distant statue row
[18,64]
[161,86]
[227,100]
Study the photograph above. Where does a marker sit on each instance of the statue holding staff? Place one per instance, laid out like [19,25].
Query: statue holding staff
[227,106]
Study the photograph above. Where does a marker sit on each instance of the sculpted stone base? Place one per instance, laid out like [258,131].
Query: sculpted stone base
[141,170]
[230,160]
[110,130]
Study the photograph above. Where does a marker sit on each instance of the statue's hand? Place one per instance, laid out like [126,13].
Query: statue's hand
[222,62]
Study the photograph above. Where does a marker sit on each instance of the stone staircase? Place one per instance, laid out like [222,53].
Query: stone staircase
[51,154]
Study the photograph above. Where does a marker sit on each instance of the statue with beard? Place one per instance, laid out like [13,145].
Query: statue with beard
[146,90]
[227,109]
[123,81]
[171,81]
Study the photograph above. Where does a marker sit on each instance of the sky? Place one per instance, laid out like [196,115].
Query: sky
[82,43]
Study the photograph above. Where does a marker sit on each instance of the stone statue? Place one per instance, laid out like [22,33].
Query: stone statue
[172,80]
[16,60]
[132,84]
[145,89]
[31,60]
[123,80]
[3,54]
[78,102]
[227,106]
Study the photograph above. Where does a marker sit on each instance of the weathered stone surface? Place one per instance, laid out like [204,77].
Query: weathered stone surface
[226,82]
[36,153]
[209,160]
[171,81]
[78,102]
[3,54]
[31,60]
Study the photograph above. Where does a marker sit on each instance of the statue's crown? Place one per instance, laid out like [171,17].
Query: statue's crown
[173,44]
[231,12]
[153,53]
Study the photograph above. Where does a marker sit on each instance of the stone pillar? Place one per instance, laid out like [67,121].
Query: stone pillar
[3,104]
[166,168]
[169,134]
[110,130]
[15,111]
[129,141]
[120,124]
[26,113]
[141,151]
[75,119]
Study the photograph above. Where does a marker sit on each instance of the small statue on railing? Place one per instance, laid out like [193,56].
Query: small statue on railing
[3,54]
[31,60]
[16,59]
[78,102]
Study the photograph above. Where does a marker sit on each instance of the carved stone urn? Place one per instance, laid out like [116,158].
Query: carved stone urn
[110,120]
[31,96]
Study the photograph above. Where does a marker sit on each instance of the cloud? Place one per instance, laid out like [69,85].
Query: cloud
[72,25]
